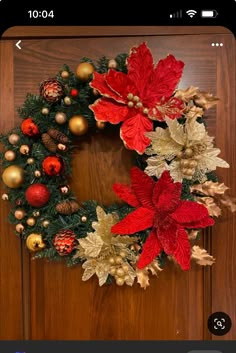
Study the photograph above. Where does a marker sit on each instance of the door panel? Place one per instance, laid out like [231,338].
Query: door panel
[176,305]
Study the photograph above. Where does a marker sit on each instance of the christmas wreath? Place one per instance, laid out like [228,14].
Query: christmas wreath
[173,194]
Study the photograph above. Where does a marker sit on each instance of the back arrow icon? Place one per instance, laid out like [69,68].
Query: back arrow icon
[18,44]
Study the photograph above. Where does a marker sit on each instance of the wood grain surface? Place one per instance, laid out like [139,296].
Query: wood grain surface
[110,31]
[223,241]
[11,322]
[58,304]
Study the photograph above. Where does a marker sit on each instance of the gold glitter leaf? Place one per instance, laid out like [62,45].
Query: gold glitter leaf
[201,256]
[194,113]
[92,244]
[192,234]
[104,223]
[90,269]
[102,272]
[187,94]
[213,209]
[143,275]
[229,202]
[195,131]
[176,132]
[210,161]
[205,100]
[175,171]
[210,188]
[121,240]
[143,278]
[156,166]
[154,267]
[162,142]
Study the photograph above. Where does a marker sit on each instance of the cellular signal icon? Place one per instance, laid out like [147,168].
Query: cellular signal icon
[177,14]
[191,13]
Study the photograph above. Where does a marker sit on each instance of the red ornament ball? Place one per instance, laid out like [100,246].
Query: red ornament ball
[37,195]
[52,165]
[29,128]
[74,92]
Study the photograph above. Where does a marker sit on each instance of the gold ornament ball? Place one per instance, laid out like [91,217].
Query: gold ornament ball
[179,154]
[60,118]
[125,268]
[34,242]
[184,163]
[37,173]
[4,197]
[120,281]
[45,111]
[24,149]
[65,74]
[13,176]
[120,272]
[111,260]
[64,189]
[84,70]
[112,271]
[112,64]
[190,171]
[31,221]
[84,219]
[118,260]
[20,228]
[188,152]
[67,100]
[61,147]
[193,163]
[46,223]
[14,139]
[30,160]
[19,214]
[100,125]
[10,155]
[36,213]
[78,125]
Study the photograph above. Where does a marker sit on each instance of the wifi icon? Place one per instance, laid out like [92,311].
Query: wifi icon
[191,13]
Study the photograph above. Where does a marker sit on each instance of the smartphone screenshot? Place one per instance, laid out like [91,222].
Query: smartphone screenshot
[118,180]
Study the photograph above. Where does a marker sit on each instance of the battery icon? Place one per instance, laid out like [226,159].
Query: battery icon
[209,13]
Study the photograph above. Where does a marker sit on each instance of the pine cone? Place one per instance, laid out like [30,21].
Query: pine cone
[58,135]
[52,90]
[49,143]
[67,207]
[64,242]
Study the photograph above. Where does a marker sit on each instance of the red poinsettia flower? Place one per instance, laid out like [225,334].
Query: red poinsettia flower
[144,94]
[159,207]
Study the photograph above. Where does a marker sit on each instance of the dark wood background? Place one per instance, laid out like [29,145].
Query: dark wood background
[48,301]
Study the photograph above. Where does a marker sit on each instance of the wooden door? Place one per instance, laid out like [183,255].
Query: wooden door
[40,300]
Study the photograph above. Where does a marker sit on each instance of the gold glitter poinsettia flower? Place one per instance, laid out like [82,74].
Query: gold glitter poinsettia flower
[134,99]
[105,254]
[186,150]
